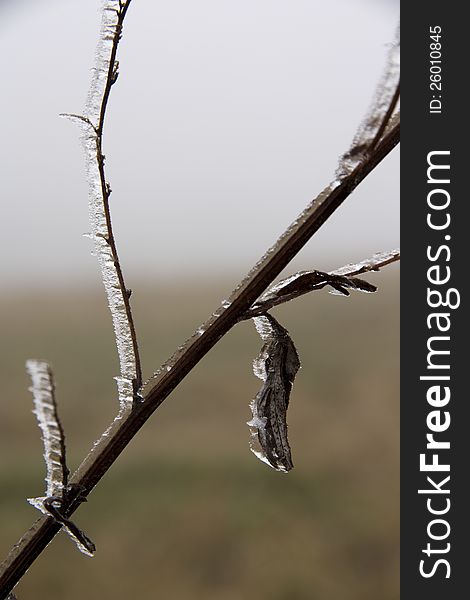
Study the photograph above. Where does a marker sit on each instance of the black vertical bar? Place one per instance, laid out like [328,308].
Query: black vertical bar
[435,241]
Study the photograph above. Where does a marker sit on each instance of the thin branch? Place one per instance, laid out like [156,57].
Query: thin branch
[369,265]
[380,116]
[112,73]
[387,117]
[45,409]
[53,506]
[91,126]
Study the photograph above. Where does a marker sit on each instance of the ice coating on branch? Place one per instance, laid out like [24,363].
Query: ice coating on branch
[83,543]
[379,114]
[100,236]
[374,263]
[276,365]
[45,409]
[98,193]
[109,22]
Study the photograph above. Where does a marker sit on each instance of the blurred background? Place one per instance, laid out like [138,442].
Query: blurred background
[226,120]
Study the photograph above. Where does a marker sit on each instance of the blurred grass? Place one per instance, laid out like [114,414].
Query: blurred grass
[188,512]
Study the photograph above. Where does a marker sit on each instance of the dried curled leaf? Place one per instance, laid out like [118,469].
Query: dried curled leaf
[341,280]
[45,409]
[276,365]
[306,281]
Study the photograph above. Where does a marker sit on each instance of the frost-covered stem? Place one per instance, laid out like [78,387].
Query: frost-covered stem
[124,291]
[45,409]
[92,125]
[387,117]
[121,432]
[110,79]
[112,73]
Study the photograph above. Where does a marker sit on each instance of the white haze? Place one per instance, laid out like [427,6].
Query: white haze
[227,118]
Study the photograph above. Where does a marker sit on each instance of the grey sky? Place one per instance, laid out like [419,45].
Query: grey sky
[227,118]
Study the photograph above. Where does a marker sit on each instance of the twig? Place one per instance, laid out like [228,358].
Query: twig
[45,409]
[91,126]
[381,115]
[112,72]
[387,117]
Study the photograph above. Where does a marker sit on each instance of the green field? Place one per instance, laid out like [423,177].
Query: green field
[188,512]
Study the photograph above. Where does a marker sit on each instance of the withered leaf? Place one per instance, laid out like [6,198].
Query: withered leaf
[53,506]
[276,365]
[306,281]
[341,280]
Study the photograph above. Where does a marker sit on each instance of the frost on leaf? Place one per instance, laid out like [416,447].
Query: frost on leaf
[276,365]
[45,409]
[381,113]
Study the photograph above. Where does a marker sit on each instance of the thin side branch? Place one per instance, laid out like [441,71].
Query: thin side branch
[111,77]
[45,409]
[381,115]
[91,126]
[387,117]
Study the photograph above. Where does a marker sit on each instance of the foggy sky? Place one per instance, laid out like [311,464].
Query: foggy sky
[227,119]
